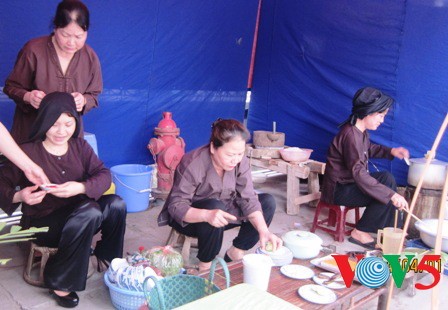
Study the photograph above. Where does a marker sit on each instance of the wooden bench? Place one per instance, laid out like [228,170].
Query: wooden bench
[309,170]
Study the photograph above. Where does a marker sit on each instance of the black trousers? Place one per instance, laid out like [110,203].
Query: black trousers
[377,215]
[71,230]
[210,238]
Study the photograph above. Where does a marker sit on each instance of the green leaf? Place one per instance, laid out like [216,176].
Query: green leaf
[36,230]
[15,228]
[17,235]
[16,240]
[3,261]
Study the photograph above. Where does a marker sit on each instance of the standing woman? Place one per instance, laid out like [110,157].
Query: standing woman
[61,62]
[213,192]
[347,179]
[75,209]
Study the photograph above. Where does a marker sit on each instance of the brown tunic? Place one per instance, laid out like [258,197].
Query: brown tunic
[196,179]
[37,68]
[79,164]
[347,162]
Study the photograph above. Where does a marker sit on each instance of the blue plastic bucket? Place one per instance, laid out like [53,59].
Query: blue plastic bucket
[133,184]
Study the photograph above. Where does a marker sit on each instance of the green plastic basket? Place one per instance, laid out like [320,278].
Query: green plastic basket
[178,290]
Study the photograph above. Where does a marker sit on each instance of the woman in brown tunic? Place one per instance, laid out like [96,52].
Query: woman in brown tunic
[61,62]
[213,192]
[75,208]
[348,181]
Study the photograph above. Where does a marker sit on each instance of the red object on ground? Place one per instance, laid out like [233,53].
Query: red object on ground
[169,149]
[336,218]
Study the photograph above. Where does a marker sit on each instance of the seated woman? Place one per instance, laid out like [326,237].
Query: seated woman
[74,209]
[347,180]
[213,192]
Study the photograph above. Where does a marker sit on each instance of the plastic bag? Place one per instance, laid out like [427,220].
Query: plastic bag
[166,259]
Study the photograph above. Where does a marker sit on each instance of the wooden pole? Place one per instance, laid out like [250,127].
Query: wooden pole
[414,199]
[254,47]
[438,247]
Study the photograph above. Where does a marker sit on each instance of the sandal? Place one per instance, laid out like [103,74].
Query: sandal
[102,264]
[367,245]
[227,258]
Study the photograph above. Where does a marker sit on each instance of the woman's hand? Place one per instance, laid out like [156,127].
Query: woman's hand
[399,202]
[35,174]
[34,98]
[29,196]
[267,236]
[218,218]
[68,189]
[400,152]
[80,101]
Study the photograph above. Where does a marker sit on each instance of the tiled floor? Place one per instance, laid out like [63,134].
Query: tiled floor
[142,230]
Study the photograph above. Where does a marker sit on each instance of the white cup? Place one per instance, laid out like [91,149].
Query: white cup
[257,270]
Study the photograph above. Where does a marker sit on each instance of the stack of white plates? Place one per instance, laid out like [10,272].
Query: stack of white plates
[283,256]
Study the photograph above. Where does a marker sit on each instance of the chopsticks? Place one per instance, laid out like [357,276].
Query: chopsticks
[415,217]
[396,219]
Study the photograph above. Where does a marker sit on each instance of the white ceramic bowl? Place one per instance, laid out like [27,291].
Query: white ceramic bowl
[283,256]
[303,244]
[295,154]
[428,232]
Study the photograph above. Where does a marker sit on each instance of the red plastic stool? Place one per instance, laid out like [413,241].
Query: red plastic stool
[336,218]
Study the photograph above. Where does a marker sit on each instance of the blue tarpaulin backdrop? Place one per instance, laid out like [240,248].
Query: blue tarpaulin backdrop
[193,57]
[312,56]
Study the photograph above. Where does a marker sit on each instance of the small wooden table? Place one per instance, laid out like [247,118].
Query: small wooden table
[286,288]
[309,170]
[239,296]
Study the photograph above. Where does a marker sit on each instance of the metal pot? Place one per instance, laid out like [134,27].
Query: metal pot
[434,177]
[428,232]
[303,244]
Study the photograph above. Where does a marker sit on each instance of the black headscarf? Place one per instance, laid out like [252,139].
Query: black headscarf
[50,109]
[366,101]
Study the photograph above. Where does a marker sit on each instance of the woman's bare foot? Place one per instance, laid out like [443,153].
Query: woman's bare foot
[61,293]
[235,254]
[204,266]
[361,236]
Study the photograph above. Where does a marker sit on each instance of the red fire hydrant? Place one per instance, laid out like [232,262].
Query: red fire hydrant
[169,149]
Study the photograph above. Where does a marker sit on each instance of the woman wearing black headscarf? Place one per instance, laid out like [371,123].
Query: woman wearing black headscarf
[347,180]
[75,208]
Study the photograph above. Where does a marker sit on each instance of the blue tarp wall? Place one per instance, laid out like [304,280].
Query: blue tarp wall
[192,58]
[312,56]
[188,57]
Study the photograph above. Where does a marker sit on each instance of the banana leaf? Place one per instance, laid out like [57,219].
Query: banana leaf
[16,234]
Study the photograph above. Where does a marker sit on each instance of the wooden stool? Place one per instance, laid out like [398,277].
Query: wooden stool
[336,218]
[45,252]
[177,239]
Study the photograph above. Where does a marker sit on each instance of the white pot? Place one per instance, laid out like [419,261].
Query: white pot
[434,176]
[428,232]
[303,244]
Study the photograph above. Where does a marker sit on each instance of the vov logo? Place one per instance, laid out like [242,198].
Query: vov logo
[374,272]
